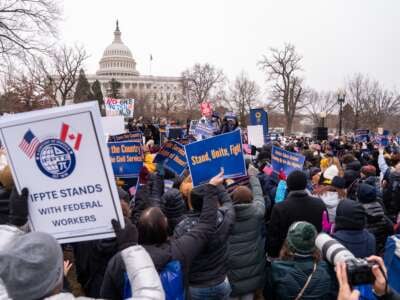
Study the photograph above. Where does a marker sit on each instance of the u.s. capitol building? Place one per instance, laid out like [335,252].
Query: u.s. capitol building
[118,63]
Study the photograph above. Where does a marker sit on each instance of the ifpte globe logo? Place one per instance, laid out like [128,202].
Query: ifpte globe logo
[55,158]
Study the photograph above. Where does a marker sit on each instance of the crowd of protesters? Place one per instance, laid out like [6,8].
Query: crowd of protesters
[251,238]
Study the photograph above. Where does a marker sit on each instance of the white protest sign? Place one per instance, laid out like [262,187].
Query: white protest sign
[61,156]
[255,134]
[113,125]
[119,107]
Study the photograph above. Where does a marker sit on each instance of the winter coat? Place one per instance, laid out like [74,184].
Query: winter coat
[289,277]
[378,224]
[210,267]
[246,257]
[359,242]
[183,249]
[4,205]
[140,270]
[298,206]
[91,259]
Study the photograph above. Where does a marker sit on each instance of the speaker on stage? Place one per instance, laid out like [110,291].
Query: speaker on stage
[320,133]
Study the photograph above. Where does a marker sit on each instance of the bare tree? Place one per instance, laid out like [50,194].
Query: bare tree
[318,102]
[26,27]
[199,82]
[371,102]
[62,71]
[287,92]
[244,93]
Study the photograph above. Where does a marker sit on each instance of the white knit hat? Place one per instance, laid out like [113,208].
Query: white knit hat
[331,172]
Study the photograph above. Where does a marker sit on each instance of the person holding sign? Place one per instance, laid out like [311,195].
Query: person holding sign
[31,264]
[153,235]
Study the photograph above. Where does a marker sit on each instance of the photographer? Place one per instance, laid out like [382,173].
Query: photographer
[381,289]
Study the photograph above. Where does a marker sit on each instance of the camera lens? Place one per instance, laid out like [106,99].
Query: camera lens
[332,250]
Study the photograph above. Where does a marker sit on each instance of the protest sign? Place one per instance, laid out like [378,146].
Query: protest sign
[258,116]
[192,127]
[134,136]
[174,132]
[172,155]
[119,107]
[204,129]
[255,135]
[206,158]
[60,155]
[113,125]
[286,161]
[361,135]
[126,158]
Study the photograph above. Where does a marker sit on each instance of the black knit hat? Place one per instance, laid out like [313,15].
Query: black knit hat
[350,215]
[296,181]
[338,182]
[366,193]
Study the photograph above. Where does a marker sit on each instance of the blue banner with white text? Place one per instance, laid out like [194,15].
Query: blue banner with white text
[133,136]
[126,158]
[286,161]
[172,155]
[206,158]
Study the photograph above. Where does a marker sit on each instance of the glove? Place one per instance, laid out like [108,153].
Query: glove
[125,237]
[18,206]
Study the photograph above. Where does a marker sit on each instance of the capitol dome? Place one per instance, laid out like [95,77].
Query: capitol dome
[117,59]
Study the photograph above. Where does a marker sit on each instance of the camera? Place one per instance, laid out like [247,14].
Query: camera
[359,271]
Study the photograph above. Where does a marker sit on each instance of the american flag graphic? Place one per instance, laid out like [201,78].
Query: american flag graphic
[29,143]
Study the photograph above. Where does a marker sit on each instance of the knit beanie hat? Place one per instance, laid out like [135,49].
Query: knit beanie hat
[338,182]
[301,237]
[331,172]
[366,193]
[368,170]
[296,181]
[242,194]
[31,266]
[350,215]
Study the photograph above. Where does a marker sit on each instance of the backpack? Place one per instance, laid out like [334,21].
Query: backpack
[392,261]
[391,195]
[171,279]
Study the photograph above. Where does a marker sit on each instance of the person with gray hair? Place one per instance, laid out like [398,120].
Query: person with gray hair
[31,264]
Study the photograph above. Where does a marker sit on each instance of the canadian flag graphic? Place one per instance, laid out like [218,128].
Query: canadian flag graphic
[72,138]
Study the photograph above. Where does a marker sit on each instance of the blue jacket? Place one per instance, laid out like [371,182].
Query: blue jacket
[359,242]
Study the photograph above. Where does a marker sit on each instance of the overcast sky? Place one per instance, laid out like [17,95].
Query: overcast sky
[336,37]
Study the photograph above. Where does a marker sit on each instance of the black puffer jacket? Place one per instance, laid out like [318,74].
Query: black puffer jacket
[378,224]
[210,266]
[4,205]
[351,176]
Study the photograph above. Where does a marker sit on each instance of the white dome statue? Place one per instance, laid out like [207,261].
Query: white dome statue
[117,59]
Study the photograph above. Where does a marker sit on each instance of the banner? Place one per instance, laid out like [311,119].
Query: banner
[126,158]
[134,136]
[119,107]
[361,135]
[206,158]
[286,161]
[60,155]
[172,154]
[258,116]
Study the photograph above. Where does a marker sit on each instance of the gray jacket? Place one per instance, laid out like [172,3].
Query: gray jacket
[246,257]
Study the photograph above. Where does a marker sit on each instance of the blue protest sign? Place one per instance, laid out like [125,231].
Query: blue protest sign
[286,161]
[174,132]
[134,136]
[172,155]
[206,158]
[258,116]
[361,135]
[204,129]
[126,158]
